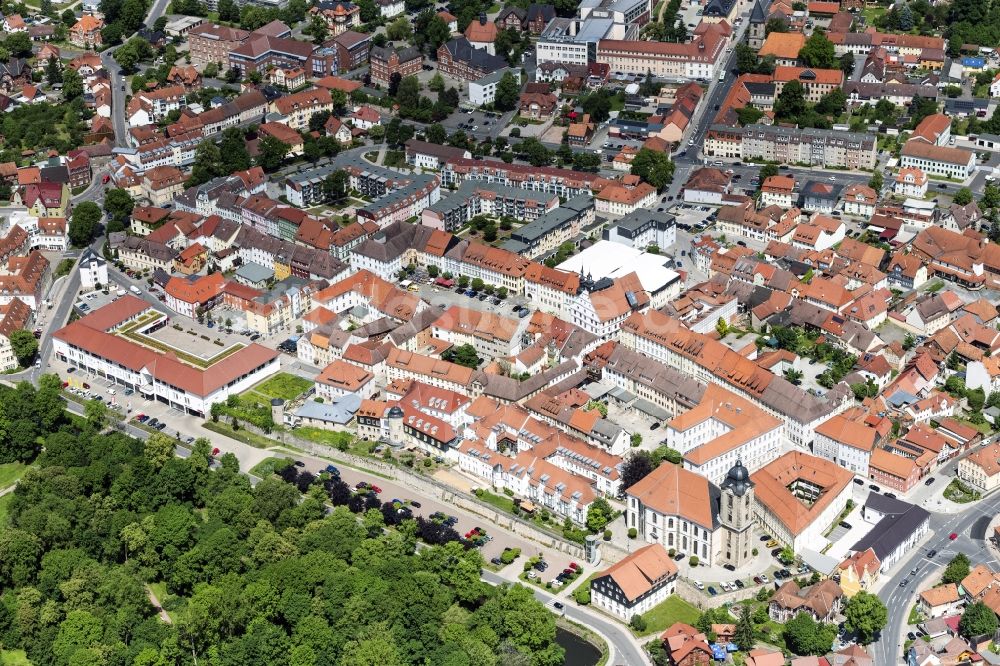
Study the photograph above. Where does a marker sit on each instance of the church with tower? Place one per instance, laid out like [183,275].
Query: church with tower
[686,513]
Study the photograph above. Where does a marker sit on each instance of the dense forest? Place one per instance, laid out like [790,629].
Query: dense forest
[297,570]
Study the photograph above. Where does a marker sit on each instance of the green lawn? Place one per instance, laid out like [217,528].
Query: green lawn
[284,386]
[501,502]
[251,438]
[168,601]
[915,616]
[10,473]
[4,509]
[336,439]
[960,493]
[872,13]
[265,467]
[674,609]
[14,658]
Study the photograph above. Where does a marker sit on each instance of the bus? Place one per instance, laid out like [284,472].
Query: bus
[722,75]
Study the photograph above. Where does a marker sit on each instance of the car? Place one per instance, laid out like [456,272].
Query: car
[757,580]
[941,186]
[152,423]
[929,481]
[679,556]
[729,567]
[872,486]
[572,565]
[712,591]
[932,553]
[427,68]
[129,391]
[764,579]
[846,525]
[911,636]
[568,571]
[766,537]
[772,543]
[189,439]
[953,536]
[142,418]
[415,503]
[496,561]
[890,495]
[903,582]
[361,485]
[914,571]
[299,463]
[215,451]
[739,584]
[531,575]
[860,482]
[557,606]
[376,490]
[700,585]
[159,426]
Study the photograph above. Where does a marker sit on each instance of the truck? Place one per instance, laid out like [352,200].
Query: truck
[135,290]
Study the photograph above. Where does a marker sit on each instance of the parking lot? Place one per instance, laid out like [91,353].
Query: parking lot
[470,121]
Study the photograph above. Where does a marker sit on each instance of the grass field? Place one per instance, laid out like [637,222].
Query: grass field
[167,600]
[14,658]
[265,467]
[10,473]
[674,609]
[4,510]
[251,438]
[329,437]
[501,502]
[284,386]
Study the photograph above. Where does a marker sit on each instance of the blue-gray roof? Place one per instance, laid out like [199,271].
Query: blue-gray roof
[254,272]
[339,412]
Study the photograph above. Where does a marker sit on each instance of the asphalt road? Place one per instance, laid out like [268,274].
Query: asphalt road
[624,650]
[888,650]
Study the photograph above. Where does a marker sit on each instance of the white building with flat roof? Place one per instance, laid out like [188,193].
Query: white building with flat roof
[608,259]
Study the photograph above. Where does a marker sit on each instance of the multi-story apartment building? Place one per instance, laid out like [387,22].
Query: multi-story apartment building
[943,161]
[385,62]
[817,82]
[695,59]
[787,145]
[338,16]
[298,108]
[477,198]
[722,429]
[458,58]
[212,43]
[267,49]
[564,183]
[546,233]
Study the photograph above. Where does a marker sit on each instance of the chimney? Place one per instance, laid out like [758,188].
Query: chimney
[482,19]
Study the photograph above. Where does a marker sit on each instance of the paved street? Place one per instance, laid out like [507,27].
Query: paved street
[888,651]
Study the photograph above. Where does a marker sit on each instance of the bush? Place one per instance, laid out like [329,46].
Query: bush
[693,560]
[638,622]
[607,535]
[755,552]
[632,533]
[509,556]
[582,594]
[671,552]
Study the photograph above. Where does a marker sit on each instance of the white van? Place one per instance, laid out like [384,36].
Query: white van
[135,290]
